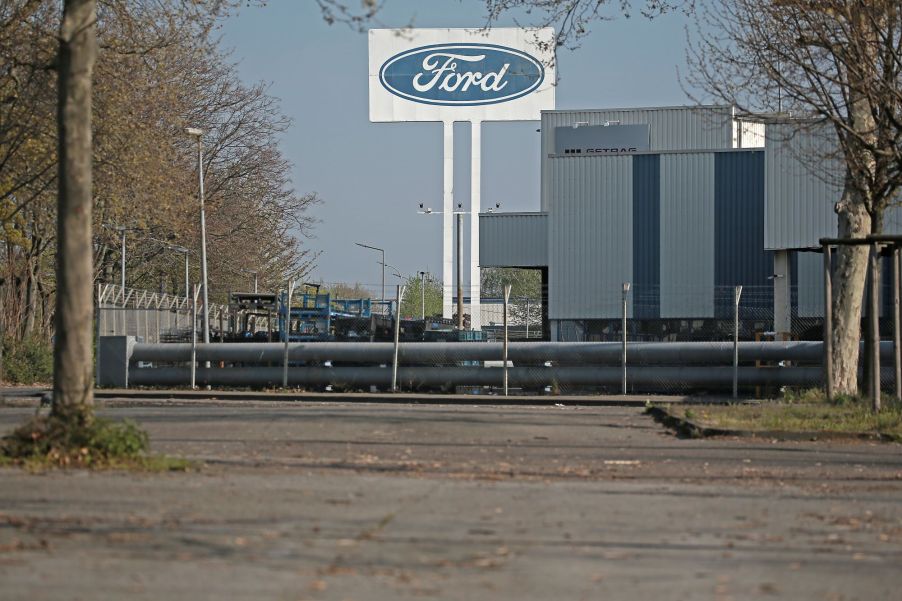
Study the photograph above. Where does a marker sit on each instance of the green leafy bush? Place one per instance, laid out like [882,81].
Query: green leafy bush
[27,361]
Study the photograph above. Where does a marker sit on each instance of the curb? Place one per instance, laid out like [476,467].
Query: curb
[375,398]
[125,395]
[688,429]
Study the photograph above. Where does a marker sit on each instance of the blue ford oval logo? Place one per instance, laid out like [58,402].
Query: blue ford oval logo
[461,74]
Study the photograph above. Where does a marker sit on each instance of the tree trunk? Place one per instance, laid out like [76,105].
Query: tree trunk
[73,385]
[848,292]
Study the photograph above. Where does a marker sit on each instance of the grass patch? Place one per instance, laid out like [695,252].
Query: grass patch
[799,412]
[47,442]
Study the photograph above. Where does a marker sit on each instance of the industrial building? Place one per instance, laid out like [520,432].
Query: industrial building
[682,203]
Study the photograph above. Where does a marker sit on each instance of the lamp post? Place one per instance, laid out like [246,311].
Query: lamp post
[381,250]
[122,267]
[395,270]
[398,275]
[121,229]
[255,274]
[423,296]
[626,289]
[460,294]
[184,251]
[199,134]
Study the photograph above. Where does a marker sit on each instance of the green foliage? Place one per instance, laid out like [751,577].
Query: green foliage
[55,441]
[412,303]
[27,361]
[525,283]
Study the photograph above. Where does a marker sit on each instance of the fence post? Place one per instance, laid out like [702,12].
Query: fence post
[527,318]
[737,294]
[897,350]
[96,353]
[507,295]
[874,324]
[626,289]
[394,363]
[287,327]
[828,322]
[194,338]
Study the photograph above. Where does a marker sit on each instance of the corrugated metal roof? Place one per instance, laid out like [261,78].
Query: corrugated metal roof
[513,239]
[590,236]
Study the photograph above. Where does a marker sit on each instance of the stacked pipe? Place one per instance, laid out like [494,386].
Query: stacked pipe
[536,364]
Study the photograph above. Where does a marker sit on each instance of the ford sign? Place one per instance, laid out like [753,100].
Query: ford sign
[461,74]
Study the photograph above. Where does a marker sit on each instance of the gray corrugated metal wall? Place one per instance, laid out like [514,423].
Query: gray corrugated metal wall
[810,278]
[513,240]
[800,194]
[670,128]
[798,205]
[739,258]
[687,235]
[647,236]
[590,236]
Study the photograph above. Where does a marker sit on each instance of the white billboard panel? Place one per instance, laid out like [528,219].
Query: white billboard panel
[461,74]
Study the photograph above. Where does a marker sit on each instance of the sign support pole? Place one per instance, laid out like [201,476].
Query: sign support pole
[475,208]
[447,218]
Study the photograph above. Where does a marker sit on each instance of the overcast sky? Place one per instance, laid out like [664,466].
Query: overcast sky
[371,176]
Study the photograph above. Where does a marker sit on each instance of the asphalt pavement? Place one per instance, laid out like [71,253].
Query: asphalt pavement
[352,501]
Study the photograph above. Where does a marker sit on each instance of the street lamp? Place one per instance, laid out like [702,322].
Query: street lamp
[121,229]
[460,290]
[178,249]
[254,273]
[423,295]
[382,299]
[199,134]
[396,273]
[184,251]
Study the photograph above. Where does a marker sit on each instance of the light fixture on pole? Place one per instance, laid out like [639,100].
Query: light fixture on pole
[121,229]
[199,134]
[381,250]
[625,292]
[185,251]
[460,291]
[396,273]
[423,295]
[255,274]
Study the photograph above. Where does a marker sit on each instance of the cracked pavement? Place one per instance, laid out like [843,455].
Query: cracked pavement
[350,502]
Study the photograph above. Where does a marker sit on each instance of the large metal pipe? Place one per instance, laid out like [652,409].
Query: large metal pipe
[534,377]
[438,353]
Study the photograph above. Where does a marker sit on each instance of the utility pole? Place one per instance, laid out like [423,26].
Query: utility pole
[423,296]
[122,257]
[199,134]
[362,245]
[626,289]
[460,286]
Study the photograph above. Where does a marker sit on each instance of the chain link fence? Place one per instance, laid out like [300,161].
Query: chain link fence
[153,316]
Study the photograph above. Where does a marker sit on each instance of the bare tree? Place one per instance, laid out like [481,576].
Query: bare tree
[573,19]
[73,383]
[839,63]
